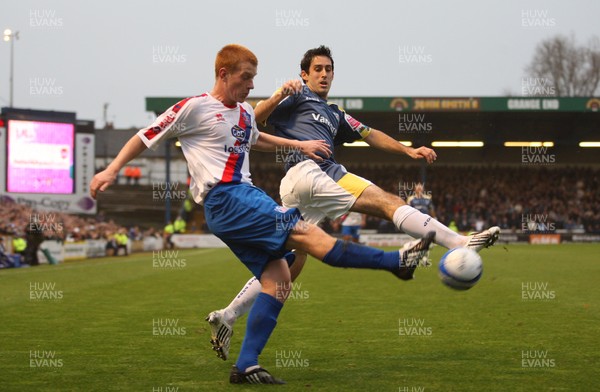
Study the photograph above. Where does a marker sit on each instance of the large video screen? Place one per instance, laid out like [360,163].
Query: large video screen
[40,157]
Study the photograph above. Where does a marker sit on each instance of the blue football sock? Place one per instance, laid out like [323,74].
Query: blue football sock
[350,255]
[261,322]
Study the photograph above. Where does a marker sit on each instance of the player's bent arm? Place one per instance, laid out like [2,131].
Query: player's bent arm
[130,150]
[386,143]
[310,148]
[263,109]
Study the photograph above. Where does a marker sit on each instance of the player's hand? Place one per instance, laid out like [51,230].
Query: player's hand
[101,181]
[291,87]
[311,148]
[423,152]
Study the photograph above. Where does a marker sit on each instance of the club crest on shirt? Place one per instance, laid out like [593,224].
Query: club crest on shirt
[281,209]
[238,133]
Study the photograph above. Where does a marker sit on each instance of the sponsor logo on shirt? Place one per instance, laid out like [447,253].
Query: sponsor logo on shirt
[309,98]
[239,133]
[169,118]
[354,123]
[241,149]
[324,120]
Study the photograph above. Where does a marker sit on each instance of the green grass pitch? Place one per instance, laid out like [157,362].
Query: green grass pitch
[133,324]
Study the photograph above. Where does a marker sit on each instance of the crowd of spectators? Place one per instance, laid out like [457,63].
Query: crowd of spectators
[18,219]
[475,197]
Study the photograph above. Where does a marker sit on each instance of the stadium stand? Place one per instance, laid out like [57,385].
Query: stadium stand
[482,196]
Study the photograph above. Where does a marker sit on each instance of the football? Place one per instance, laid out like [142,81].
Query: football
[460,268]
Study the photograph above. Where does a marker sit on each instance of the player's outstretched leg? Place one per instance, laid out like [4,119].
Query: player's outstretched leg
[484,239]
[377,202]
[338,253]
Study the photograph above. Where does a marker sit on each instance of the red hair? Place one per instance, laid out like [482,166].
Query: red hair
[230,57]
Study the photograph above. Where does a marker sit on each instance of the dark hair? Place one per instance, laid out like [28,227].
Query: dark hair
[312,53]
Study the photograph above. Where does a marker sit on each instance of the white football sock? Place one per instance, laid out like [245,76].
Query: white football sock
[242,303]
[416,224]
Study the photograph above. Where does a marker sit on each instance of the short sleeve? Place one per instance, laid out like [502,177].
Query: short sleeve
[168,125]
[350,129]
[282,110]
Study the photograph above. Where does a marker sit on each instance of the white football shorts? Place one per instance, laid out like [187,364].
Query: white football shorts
[307,187]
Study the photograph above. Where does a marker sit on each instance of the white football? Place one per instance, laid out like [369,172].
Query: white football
[460,268]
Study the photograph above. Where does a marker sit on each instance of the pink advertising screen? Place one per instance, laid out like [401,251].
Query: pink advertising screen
[40,157]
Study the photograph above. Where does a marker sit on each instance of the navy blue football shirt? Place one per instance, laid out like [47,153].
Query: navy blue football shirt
[306,116]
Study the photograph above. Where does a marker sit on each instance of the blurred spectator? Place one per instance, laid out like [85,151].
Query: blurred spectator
[128,173]
[179,225]
[111,244]
[136,174]
[19,244]
[122,241]
[167,234]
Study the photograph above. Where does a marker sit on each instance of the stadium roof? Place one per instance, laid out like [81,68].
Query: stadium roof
[435,104]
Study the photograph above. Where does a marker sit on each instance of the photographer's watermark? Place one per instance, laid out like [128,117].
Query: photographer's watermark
[289,155]
[45,18]
[168,259]
[288,222]
[413,123]
[44,223]
[291,18]
[407,189]
[40,291]
[537,87]
[537,223]
[413,54]
[411,389]
[165,389]
[294,289]
[537,156]
[168,54]
[290,359]
[413,327]
[537,291]
[536,359]
[162,191]
[44,359]
[536,18]
[279,82]
[45,86]
[167,327]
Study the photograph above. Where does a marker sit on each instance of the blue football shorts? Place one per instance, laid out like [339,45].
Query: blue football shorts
[253,226]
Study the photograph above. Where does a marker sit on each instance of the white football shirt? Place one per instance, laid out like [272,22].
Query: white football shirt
[215,140]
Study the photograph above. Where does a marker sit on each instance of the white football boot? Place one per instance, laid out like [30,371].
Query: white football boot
[221,333]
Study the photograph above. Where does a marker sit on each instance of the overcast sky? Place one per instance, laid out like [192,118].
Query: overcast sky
[77,55]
